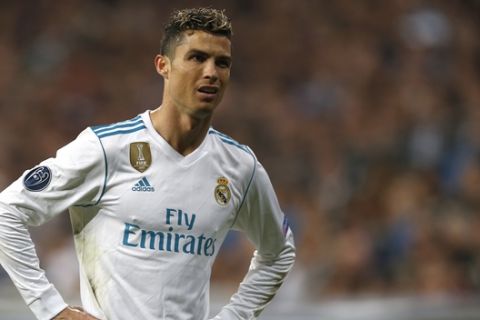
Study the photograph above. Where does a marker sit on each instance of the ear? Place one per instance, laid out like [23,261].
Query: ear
[162,64]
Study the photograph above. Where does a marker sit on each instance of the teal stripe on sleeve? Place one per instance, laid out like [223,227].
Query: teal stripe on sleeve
[112,133]
[226,139]
[103,129]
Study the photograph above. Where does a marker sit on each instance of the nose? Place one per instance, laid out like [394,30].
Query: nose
[210,70]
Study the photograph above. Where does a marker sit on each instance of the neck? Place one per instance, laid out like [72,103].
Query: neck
[182,131]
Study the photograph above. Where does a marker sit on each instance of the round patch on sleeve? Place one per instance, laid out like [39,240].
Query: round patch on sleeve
[37,179]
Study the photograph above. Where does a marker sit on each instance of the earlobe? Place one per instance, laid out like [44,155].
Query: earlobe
[162,64]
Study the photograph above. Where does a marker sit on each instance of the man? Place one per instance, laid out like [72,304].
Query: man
[151,199]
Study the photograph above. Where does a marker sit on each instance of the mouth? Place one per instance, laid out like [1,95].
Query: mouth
[209,91]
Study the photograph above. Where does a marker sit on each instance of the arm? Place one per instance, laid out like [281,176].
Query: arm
[74,178]
[261,218]
[70,313]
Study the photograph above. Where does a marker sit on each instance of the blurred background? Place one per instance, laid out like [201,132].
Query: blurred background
[365,113]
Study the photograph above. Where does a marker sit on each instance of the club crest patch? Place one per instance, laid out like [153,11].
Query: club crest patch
[222,192]
[140,156]
[37,179]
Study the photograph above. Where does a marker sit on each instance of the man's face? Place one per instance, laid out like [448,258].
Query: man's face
[198,73]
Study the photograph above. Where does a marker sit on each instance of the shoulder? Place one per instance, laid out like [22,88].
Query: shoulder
[232,154]
[119,129]
[228,145]
[115,136]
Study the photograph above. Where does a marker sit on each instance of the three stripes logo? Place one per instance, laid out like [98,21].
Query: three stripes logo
[143,186]
[123,127]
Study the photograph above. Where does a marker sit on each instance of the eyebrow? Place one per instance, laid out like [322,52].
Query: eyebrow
[201,52]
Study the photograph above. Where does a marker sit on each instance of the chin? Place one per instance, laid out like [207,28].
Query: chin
[203,111]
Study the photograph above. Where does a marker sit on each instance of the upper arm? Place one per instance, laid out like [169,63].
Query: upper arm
[74,176]
[261,217]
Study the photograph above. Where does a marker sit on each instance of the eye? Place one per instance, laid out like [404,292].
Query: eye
[197,57]
[223,63]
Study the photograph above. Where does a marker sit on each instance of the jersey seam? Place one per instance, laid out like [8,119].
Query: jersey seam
[248,187]
[106,172]
[105,175]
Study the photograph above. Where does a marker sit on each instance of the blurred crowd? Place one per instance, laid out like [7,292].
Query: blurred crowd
[365,113]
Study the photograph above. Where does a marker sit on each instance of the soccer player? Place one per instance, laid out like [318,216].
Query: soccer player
[151,199]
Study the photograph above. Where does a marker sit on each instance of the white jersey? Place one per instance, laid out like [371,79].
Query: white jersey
[148,224]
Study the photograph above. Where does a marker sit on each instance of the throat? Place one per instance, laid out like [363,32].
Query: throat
[182,132]
[187,144]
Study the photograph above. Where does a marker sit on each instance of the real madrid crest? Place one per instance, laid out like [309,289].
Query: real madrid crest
[222,192]
[140,156]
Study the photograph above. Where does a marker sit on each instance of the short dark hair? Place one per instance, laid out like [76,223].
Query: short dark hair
[210,20]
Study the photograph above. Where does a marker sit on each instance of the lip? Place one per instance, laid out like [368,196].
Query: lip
[209,89]
[209,92]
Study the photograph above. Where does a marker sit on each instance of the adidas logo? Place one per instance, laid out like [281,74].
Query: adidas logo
[143,186]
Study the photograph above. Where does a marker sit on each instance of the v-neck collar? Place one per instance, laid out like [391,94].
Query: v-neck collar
[173,154]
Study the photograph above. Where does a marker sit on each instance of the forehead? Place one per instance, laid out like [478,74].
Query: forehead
[203,41]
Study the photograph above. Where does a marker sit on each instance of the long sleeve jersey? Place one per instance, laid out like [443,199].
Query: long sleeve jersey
[148,223]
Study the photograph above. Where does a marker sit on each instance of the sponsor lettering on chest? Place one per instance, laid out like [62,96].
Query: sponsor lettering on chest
[179,236]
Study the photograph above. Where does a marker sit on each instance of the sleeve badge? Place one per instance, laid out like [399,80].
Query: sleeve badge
[37,179]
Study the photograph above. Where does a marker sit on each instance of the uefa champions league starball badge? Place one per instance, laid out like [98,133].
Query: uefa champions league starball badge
[222,192]
[37,179]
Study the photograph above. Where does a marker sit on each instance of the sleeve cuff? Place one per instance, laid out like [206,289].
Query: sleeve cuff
[48,305]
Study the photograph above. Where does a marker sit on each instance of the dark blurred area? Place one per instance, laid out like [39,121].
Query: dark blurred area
[365,113]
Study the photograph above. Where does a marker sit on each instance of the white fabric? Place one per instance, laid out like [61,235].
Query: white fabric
[146,241]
